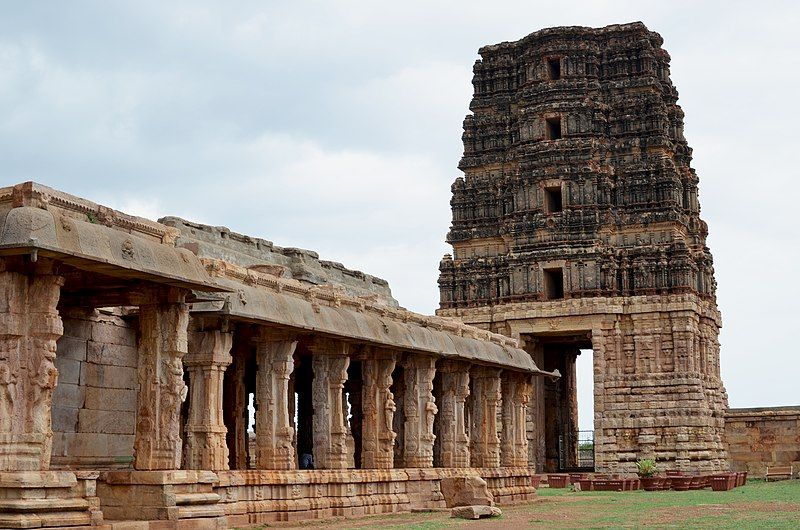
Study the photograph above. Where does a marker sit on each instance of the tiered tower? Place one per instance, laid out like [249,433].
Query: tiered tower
[577,225]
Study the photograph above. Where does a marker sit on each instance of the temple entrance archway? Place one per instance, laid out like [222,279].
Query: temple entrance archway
[558,444]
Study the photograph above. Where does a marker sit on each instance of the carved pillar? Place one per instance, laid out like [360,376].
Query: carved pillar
[378,406]
[206,361]
[485,443]
[235,403]
[29,328]
[329,362]
[516,391]
[420,410]
[454,443]
[274,432]
[163,319]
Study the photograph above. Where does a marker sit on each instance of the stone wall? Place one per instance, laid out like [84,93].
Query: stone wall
[762,437]
[94,403]
[251,252]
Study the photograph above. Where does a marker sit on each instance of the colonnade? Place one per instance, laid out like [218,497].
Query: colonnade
[387,396]
[479,411]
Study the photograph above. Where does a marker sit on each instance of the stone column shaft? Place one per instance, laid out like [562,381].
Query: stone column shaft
[485,443]
[378,407]
[29,328]
[452,426]
[516,391]
[163,321]
[420,410]
[206,361]
[274,432]
[330,363]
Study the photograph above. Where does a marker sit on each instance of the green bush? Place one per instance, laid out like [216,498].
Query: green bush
[646,467]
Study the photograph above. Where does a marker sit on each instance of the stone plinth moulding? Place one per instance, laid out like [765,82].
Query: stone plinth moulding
[29,328]
[378,408]
[420,410]
[274,431]
[486,399]
[329,363]
[206,361]
[163,321]
[454,441]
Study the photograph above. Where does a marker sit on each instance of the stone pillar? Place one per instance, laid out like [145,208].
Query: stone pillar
[454,443]
[29,328]
[163,320]
[485,443]
[378,406]
[274,432]
[235,405]
[420,410]
[329,362]
[516,391]
[206,361]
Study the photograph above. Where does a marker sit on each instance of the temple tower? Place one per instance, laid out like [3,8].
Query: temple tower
[577,226]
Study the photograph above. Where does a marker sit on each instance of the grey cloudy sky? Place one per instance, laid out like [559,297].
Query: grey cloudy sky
[336,126]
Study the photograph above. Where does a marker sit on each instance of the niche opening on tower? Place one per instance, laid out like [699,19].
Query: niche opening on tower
[554,283]
[553,199]
[554,68]
[552,128]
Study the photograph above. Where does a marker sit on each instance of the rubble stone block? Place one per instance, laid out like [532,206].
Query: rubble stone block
[475,512]
[466,491]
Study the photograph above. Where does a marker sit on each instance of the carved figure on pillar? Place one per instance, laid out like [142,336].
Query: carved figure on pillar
[454,443]
[329,362]
[274,432]
[378,410]
[206,361]
[420,410]
[163,321]
[515,397]
[29,326]
[485,442]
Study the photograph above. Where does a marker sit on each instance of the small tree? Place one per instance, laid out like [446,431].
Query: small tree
[646,467]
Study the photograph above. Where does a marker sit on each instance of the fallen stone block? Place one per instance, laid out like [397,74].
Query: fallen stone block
[475,512]
[466,491]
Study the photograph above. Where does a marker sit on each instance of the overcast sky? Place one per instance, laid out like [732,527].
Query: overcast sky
[336,126]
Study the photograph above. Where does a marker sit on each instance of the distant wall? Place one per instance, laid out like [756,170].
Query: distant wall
[94,403]
[762,437]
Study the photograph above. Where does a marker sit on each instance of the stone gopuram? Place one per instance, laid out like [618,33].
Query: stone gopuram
[131,350]
[577,226]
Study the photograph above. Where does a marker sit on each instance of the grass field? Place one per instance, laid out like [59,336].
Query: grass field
[756,505]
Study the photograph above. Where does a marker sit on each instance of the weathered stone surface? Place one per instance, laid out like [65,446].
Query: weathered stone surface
[759,438]
[466,491]
[578,217]
[475,512]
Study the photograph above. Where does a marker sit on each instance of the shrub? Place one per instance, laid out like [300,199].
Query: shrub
[646,467]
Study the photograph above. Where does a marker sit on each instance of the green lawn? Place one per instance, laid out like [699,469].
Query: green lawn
[756,505]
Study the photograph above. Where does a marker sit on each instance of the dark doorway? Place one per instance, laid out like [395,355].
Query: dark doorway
[560,445]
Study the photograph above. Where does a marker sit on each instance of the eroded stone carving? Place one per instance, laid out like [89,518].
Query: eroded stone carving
[378,437]
[206,361]
[330,362]
[485,448]
[420,410]
[30,326]
[163,321]
[274,432]
[454,443]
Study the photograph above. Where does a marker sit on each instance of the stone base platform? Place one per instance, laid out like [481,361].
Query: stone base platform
[49,499]
[149,500]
